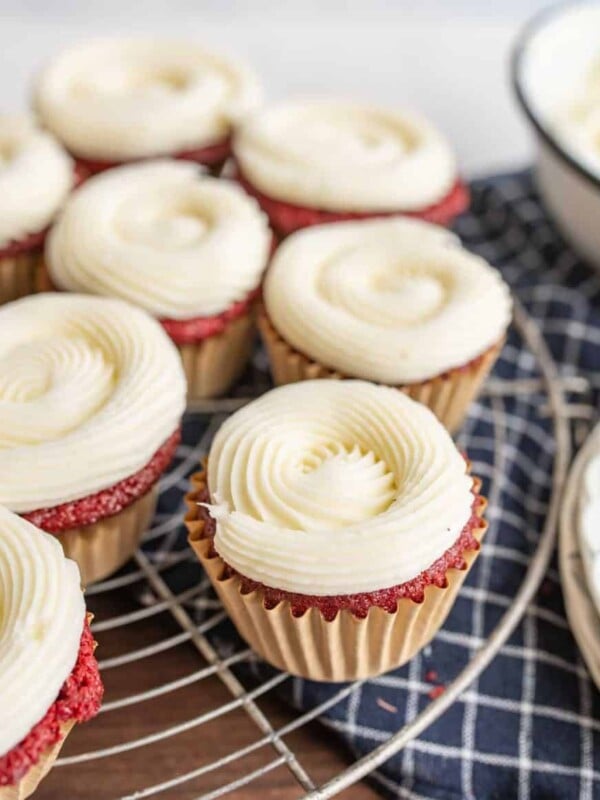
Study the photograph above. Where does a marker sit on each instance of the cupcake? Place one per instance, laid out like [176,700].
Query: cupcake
[395,301]
[36,175]
[91,398]
[112,101]
[188,248]
[49,677]
[314,162]
[337,521]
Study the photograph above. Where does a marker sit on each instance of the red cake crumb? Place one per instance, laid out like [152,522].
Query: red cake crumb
[213,156]
[288,217]
[108,502]
[192,331]
[35,241]
[359,604]
[436,692]
[78,700]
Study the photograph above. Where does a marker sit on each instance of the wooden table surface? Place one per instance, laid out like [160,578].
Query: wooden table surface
[123,774]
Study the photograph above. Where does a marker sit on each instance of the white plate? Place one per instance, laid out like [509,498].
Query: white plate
[581,610]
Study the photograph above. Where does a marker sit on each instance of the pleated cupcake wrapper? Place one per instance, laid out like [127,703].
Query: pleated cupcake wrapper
[103,547]
[346,648]
[31,780]
[213,365]
[448,396]
[34,776]
[19,275]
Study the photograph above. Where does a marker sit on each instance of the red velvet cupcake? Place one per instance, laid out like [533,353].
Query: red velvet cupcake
[114,101]
[188,248]
[395,301]
[36,175]
[49,678]
[310,163]
[337,521]
[90,407]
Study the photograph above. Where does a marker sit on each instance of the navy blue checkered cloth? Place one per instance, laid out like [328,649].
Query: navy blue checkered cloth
[529,727]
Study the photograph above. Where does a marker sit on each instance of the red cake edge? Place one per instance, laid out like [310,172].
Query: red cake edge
[213,155]
[108,502]
[78,701]
[287,218]
[360,603]
[196,329]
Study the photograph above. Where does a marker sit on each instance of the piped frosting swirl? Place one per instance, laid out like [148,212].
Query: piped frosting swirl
[162,235]
[36,175]
[394,301]
[90,388]
[41,621]
[338,156]
[122,99]
[335,487]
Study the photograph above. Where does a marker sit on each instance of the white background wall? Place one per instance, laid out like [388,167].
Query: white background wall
[448,58]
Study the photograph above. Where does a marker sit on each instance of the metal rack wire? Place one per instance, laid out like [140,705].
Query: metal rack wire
[194,615]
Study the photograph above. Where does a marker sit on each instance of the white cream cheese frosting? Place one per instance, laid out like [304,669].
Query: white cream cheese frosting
[589,524]
[36,175]
[559,75]
[42,614]
[122,99]
[163,236]
[340,156]
[394,301]
[90,388]
[335,487]
[578,121]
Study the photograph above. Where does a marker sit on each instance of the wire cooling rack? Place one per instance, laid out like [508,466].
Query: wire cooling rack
[159,635]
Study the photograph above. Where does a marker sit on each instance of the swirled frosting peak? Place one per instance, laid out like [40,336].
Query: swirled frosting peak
[36,175]
[90,388]
[335,487]
[340,156]
[162,235]
[41,620]
[121,99]
[395,301]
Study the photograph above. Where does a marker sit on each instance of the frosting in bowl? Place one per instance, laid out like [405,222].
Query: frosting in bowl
[395,301]
[36,175]
[163,236]
[121,99]
[339,156]
[41,621]
[577,122]
[90,388]
[335,487]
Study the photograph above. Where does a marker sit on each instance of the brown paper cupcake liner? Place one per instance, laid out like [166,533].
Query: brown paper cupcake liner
[345,648]
[19,275]
[213,365]
[34,776]
[103,547]
[448,396]
[31,780]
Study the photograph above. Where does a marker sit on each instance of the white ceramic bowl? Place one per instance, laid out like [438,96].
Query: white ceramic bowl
[551,59]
